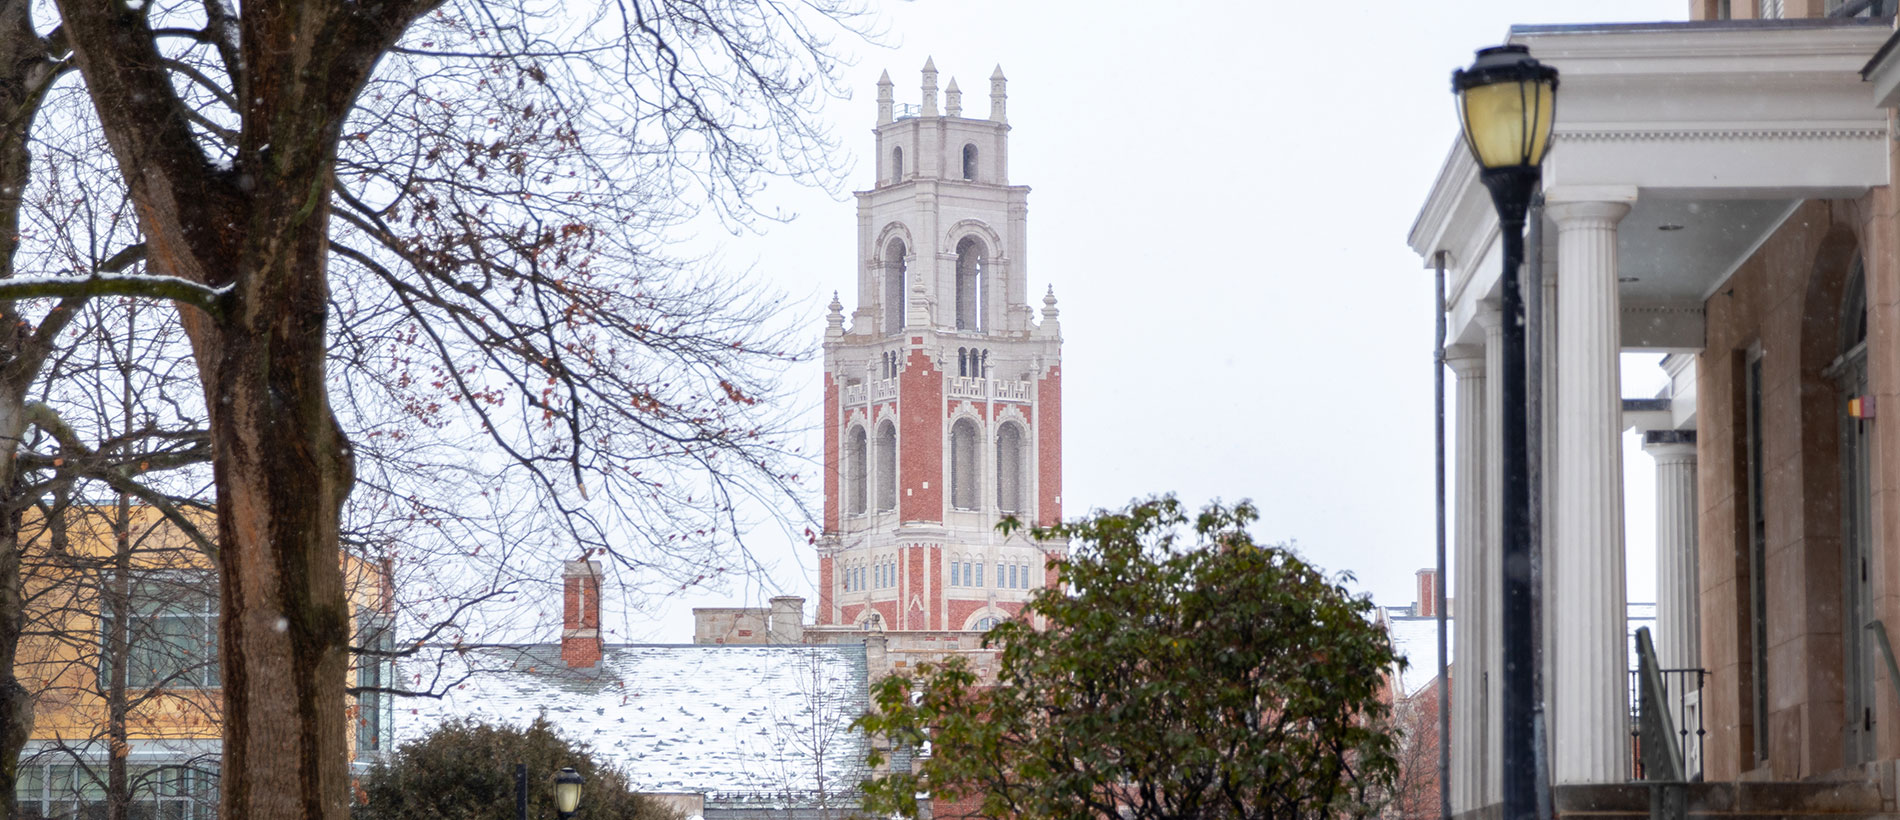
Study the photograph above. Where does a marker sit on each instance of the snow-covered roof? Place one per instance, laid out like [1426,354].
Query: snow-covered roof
[1416,640]
[724,720]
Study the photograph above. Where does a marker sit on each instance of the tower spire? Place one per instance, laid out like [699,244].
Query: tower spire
[884,99]
[952,100]
[930,87]
[999,95]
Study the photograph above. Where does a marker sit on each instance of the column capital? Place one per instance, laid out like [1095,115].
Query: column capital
[1466,360]
[1670,446]
[1589,213]
[1489,316]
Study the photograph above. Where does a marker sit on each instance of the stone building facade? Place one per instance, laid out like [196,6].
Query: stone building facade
[1720,191]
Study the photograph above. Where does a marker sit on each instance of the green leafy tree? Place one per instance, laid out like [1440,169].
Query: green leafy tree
[1178,676]
[466,769]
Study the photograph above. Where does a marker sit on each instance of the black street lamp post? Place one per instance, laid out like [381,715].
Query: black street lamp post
[521,791]
[1506,103]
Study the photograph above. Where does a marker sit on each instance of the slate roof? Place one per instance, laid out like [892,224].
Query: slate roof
[736,722]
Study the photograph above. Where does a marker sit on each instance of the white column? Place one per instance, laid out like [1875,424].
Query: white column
[1468,763]
[1492,581]
[1678,641]
[1547,452]
[1589,704]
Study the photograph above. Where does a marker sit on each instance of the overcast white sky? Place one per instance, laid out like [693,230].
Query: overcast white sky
[1221,196]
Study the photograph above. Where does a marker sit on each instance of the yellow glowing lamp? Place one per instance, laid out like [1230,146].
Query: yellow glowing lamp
[1507,102]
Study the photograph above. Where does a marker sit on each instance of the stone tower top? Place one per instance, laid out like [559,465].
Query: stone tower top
[943,391]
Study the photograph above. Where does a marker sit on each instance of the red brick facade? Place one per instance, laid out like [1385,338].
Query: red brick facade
[1049,447]
[580,614]
[920,453]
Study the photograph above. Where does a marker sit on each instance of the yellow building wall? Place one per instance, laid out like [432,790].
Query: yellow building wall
[59,656]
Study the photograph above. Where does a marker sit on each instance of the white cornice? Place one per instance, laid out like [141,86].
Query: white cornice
[1678,49]
[1455,176]
[1739,132]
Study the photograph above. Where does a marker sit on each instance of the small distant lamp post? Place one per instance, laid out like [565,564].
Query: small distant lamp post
[1507,101]
[567,792]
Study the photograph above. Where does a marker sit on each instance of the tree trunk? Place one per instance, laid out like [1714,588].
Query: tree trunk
[118,653]
[281,473]
[281,465]
[25,69]
[16,704]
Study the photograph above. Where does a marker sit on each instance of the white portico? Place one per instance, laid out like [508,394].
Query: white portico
[1680,149]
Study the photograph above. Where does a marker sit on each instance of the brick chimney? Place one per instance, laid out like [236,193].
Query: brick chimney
[580,618]
[1426,606]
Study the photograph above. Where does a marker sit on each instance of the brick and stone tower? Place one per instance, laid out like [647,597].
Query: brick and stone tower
[943,395]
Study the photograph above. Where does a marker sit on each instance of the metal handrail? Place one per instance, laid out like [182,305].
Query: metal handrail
[1662,756]
[1681,696]
[1886,652]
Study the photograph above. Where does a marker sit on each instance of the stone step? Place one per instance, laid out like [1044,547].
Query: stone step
[1725,800]
[1697,815]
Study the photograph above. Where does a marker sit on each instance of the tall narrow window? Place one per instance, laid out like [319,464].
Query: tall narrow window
[375,709]
[1009,468]
[1757,537]
[897,165]
[894,293]
[963,474]
[854,471]
[886,467]
[969,162]
[1857,611]
[969,284]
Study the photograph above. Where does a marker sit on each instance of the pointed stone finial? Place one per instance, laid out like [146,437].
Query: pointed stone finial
[884,98]
[999,95]
[834,320]
[930,87]
[952,99]
[1051,323]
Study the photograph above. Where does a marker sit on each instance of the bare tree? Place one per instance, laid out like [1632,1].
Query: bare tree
[508,225]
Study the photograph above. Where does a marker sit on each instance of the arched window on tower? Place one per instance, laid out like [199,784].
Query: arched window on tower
[894,291]
[897,165]
[1009,468]
[963,474]
[969,162]
[854,459]
[886,467]
[969,284]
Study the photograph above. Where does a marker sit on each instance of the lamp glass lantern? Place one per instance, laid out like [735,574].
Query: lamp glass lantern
[1507,101]
[567,791]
